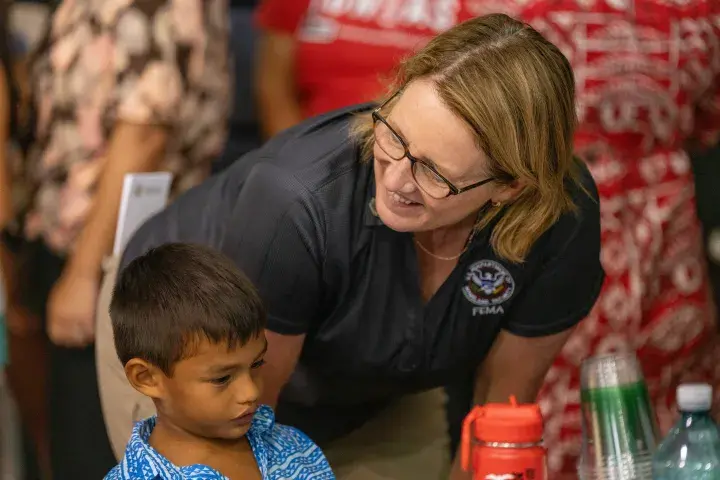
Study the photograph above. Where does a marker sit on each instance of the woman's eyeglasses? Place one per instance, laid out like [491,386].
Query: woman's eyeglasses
[426,176]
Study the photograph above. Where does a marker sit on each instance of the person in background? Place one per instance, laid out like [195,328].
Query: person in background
[243,128]
[7,107]
[648,88]
[26,352]
[118,87]
[318,55]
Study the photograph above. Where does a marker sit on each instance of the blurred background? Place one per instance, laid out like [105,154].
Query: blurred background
[263,104]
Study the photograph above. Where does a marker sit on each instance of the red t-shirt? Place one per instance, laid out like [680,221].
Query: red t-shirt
[348,49]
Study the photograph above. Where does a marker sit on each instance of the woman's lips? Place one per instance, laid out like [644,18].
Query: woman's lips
[401,199]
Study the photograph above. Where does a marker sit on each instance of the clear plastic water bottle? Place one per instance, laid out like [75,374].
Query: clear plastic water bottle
[691,451]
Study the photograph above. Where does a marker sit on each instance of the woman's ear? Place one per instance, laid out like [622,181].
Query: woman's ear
[145,377]
[507,193]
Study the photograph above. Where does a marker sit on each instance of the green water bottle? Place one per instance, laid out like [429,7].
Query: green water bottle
[691,451]
[619,428]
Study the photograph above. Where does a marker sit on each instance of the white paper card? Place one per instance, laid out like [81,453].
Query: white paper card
[143,195]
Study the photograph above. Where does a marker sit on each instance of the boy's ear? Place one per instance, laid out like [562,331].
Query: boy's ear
[145,377]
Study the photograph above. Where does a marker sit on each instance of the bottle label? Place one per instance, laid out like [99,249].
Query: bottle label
[509,464]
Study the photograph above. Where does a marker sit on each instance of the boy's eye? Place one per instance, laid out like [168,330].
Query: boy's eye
[258,364]
[221,380]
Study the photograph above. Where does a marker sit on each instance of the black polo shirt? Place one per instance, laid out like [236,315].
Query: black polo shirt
[295,215]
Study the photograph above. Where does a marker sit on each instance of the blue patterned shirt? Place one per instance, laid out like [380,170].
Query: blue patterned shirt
[281,452]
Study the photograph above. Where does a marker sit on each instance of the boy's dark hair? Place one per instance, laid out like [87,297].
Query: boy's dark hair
[176,294]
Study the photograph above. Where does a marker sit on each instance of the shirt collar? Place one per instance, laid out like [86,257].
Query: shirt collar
[372,219]
[370,215]
[143,462]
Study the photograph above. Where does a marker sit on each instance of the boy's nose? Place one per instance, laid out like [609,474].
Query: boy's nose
[248,390]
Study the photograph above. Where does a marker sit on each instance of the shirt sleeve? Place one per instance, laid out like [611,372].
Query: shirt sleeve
[568,283]
[114,474]
[149,51]
[265,221]
[276,237]
[281,15]
[300,457]
[200,215]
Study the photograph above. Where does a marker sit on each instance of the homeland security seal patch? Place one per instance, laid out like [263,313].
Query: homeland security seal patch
[488,285]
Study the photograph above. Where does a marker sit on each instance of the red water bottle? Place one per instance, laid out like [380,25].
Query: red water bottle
[504,442]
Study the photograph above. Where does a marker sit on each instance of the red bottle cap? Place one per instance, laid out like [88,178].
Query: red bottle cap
[509,423]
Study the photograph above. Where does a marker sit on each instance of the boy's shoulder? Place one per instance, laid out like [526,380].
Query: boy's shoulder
[142,462]
[264,427]
[114,474]
[290,453]
[289,437]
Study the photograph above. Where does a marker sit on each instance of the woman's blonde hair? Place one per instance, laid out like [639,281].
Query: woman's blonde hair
[516,91]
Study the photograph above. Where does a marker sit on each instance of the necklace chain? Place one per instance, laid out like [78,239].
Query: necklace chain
[454,257]
[423,248]
[447,259]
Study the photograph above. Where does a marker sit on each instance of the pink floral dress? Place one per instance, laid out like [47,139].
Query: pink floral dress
[154,62]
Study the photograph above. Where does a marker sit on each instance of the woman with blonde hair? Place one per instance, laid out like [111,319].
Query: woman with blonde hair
[448,232]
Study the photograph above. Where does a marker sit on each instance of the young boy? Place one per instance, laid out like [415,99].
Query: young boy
[189,329]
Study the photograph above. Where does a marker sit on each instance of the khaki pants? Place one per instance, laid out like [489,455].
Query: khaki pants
[122,405]
[408,440]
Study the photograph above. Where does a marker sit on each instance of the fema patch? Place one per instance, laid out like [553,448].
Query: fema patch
[488,284]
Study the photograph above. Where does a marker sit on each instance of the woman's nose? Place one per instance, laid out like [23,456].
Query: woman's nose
[398,176]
